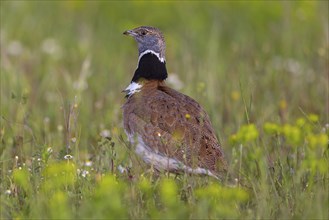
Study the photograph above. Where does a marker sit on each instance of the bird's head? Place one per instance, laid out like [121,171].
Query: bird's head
[148,39]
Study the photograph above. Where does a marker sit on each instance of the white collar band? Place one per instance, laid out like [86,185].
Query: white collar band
[162,60]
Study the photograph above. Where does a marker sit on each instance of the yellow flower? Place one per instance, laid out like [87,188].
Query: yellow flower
[271,128]
[235,95]
[283,104]
[313,118]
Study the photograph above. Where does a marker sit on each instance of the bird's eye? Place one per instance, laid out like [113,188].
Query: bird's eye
[143,33]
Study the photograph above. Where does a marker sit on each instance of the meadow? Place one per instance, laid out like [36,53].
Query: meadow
[259,68]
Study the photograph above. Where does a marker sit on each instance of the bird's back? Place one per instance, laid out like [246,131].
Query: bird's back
[174,127]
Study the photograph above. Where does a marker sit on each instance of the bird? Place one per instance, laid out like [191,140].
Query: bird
[171,132]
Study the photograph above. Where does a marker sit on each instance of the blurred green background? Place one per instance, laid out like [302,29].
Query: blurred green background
[65,63]
[276,53]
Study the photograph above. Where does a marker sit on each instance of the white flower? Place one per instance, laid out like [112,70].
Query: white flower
[51,47]
[88,163]
[84,173]
[68,157]
[105,133]
[74,139]
[122,169]
[49,150]
[60,128]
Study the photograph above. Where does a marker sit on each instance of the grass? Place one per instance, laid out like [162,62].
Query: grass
[260,69]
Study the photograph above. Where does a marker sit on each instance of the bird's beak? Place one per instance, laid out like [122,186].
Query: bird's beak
[130,33]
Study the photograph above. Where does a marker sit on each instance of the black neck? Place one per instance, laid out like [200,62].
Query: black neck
[150,67]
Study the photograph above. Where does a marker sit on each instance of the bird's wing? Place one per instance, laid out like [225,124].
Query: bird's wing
[174,125]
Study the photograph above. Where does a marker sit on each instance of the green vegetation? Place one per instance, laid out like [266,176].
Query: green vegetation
[260,69]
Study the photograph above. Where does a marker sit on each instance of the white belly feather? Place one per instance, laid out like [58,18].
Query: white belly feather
[162,162]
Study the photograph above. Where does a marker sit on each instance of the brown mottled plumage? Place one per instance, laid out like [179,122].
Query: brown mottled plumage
[172,130]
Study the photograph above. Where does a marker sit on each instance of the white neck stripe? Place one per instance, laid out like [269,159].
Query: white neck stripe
[162,60]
